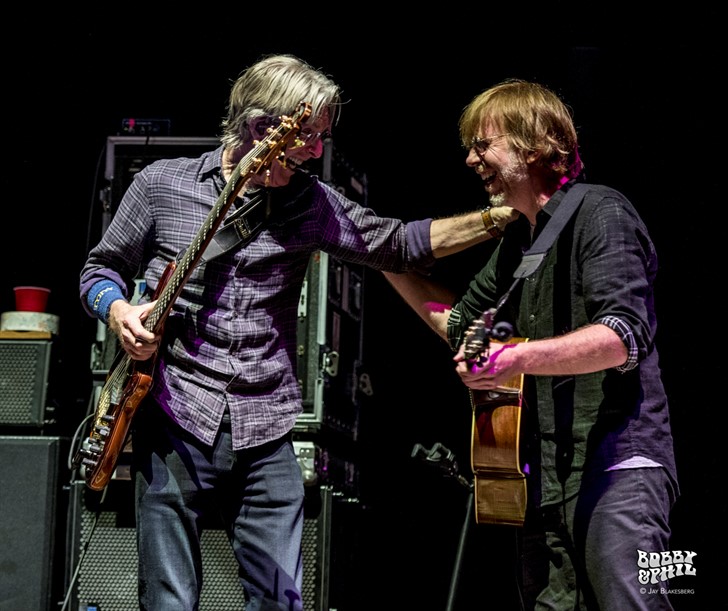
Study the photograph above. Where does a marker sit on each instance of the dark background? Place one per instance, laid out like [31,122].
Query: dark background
[647,98]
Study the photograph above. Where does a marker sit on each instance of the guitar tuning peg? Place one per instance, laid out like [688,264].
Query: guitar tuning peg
[475,339]
[502,331]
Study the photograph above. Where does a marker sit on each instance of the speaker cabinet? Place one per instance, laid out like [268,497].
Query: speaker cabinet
[24,366]
[330,343]
[107,578]
[31,557]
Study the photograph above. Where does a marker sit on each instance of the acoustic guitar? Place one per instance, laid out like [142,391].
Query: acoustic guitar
[499,481]
[129,381]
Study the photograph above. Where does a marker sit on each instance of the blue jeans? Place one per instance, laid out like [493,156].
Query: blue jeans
[583,554]
[258,494]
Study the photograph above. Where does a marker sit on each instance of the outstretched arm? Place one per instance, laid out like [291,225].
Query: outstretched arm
[454,234]
[431,301]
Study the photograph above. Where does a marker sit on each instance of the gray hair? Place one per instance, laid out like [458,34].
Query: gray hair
[275,86]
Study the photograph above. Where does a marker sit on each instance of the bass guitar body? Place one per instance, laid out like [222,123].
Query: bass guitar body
[118,402]
[499,481]
[126,385]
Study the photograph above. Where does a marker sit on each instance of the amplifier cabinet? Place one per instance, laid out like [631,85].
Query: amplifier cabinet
[24,369]
[32,513]
[107,578]
[127,155]
[329,364]
[330,322]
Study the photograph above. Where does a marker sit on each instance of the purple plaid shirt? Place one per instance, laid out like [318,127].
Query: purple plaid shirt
[230,339]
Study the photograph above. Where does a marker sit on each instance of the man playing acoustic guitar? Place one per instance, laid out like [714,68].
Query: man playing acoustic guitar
[596,443]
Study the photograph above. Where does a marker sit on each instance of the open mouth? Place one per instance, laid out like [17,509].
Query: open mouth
[291,163]
[488,180]
[484,176]
[296,165]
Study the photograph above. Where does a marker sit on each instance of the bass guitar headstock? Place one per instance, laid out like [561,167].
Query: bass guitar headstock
[273,146]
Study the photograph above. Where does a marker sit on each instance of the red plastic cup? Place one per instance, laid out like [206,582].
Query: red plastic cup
[31,298]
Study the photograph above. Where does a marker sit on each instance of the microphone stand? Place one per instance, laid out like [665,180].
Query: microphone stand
[439,456]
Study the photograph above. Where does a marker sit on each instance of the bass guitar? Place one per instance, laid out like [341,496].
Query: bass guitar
[499,482]
[129,381]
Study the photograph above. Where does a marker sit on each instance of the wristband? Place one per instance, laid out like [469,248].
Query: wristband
[489,223]
[101,296]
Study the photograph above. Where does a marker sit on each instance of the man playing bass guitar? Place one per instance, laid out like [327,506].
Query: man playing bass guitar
[212,432]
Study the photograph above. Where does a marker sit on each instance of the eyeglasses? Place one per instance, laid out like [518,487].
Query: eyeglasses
[483,144]
[305,137]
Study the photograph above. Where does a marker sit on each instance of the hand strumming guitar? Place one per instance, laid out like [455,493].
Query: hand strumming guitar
[497,364]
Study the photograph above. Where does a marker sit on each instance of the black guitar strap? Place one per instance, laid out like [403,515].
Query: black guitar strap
[535,255]
[240,227]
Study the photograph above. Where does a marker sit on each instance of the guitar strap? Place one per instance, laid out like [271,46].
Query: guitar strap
[240,227]
[245,223]
[536,254]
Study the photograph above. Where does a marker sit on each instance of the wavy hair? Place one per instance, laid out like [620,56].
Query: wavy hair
[535,120]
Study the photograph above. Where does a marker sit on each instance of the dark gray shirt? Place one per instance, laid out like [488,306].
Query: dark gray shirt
[600,270]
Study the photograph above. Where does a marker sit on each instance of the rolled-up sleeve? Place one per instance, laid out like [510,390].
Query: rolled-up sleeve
[419,245]
[625,333]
